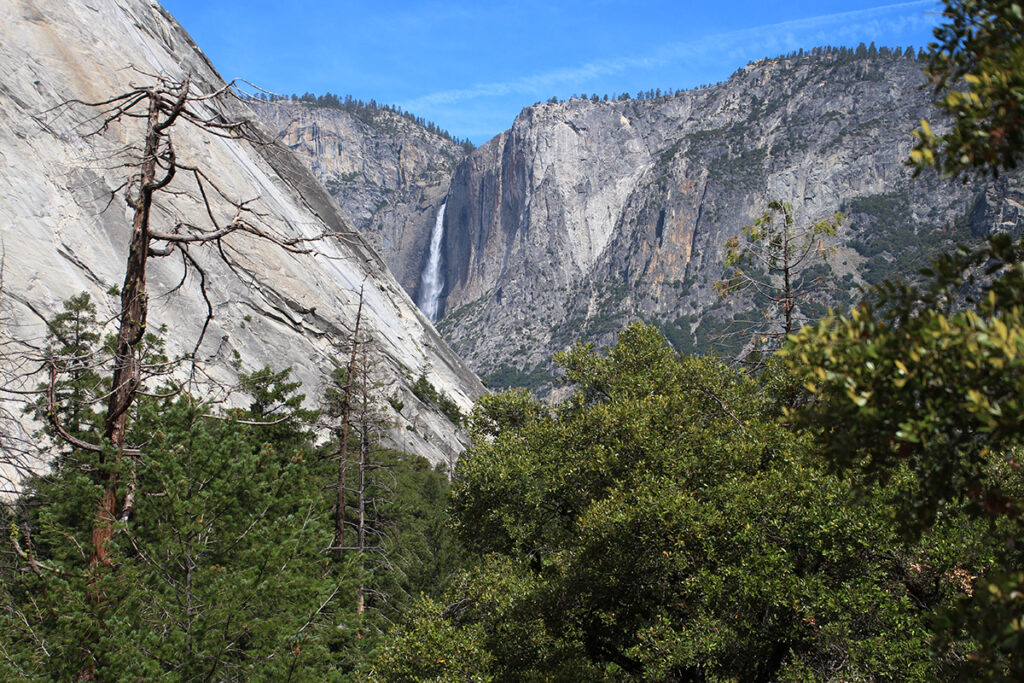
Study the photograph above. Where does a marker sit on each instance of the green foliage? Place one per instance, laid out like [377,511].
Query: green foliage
[75,352]
[773,260]
[422,549]
[428,393]
[429,648]
[993,615]
[925,383]
[742,171]
[977,69]
[887,211]
[911,378]
[507,377]
[368,113]
[922,384]
[220,569]
[716,331]
[662,524]
[928,384]
[894,243]
[277,403]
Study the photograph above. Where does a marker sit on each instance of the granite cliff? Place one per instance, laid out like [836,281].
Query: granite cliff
[62,234]
[586,215]
[388,174]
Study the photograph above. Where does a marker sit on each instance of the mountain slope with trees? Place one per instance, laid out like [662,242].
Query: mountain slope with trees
[851,511]
[171,277]
[595,211]
[848,509]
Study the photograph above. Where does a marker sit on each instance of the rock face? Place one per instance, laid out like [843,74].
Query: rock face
[62,234]
[388,174]
[586,215]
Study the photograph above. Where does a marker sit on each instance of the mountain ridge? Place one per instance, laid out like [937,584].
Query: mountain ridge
[586,214]
[387,173]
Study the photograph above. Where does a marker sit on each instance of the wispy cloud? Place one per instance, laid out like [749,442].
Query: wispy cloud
[836,28]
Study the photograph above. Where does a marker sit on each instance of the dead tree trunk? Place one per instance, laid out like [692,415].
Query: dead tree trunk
[361,527]
[346,424]
[165,104]
[160,106]
[368,422]
[134,308]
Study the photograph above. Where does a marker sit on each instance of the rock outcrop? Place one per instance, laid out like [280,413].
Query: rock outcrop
[388,174]
[586,215]
[62,234]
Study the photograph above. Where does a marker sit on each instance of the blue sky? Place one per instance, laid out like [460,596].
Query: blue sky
[471,67]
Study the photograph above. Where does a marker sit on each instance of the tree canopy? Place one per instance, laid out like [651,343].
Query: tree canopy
[976,67]
[662,523]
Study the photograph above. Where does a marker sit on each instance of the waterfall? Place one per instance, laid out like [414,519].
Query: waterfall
[432,280]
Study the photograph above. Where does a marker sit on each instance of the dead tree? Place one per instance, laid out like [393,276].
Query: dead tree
[339,403]
[364,449]
[369,421]
[159,107]
[351,402]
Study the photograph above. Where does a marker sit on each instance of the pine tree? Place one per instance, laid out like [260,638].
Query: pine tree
[220,562]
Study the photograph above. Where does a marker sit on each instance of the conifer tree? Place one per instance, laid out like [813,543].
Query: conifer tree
[220,556]
[770,259]
[115,458]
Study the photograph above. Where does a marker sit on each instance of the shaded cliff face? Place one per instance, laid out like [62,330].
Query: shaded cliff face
[388,174]
[586,215]
[62,234]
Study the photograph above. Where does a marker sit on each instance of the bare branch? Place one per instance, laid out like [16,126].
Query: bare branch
[206,298]
[258,423]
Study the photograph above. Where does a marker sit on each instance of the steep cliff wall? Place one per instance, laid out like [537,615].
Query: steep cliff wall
[62,234]
[585,215]
[388,174]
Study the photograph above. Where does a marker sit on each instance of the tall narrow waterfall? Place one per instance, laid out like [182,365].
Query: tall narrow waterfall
[432,280]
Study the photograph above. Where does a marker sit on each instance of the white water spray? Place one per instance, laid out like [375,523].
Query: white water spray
[432,280]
